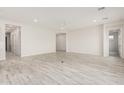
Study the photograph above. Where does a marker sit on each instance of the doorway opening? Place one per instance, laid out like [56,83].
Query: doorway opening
[61,42]
[114,43]
[12,41]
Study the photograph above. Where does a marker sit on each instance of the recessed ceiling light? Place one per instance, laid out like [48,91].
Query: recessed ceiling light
[94,20]
[35,20]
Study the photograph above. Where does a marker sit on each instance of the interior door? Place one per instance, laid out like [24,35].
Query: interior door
[61,42]
[13,43]
[113,43]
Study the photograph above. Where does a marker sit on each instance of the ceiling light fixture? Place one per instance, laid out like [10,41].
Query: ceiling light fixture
[35,20]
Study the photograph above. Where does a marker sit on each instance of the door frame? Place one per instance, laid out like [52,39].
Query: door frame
[107,29]
[18,46]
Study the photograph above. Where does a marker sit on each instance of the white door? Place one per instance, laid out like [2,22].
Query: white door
[13,47]
[61,42]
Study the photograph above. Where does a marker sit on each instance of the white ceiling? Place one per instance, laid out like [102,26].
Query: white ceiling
[70,18]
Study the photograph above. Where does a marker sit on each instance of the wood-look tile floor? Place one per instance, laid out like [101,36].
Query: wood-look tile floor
[62,69]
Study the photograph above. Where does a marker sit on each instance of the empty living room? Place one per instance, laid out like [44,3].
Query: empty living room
[62,46]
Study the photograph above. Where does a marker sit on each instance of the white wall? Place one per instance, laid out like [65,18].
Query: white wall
[37,41]
[34,40]
[2,44]
[123,41]
[88,40]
